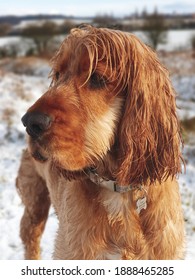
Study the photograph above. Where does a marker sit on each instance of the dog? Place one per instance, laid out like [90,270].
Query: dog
[104,148]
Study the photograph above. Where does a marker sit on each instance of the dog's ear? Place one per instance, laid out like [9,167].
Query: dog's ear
[149,132]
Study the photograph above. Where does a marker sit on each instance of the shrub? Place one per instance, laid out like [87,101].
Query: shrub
[193,45]
[41,35]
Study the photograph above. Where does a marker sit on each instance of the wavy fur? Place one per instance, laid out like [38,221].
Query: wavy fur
[112,107]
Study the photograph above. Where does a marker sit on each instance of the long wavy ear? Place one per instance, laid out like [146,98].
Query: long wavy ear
[149,133]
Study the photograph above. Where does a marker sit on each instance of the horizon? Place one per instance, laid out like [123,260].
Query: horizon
[89,16]
[88,9]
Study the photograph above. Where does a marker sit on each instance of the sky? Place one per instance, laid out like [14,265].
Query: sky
[93,7]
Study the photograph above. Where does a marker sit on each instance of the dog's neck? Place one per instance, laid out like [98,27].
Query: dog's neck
[92,174]
[110,184]
[101,174]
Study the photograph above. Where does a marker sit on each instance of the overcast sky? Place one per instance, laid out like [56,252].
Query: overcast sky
[93,7]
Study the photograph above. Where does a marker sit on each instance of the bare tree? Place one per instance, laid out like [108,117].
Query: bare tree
[66,26]
[5,28]
[105,21]
[41,35]
[155,29]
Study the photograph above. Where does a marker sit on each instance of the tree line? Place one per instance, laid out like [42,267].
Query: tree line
[154,25]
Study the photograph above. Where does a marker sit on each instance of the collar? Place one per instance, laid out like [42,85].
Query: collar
[110,184]
[141,202]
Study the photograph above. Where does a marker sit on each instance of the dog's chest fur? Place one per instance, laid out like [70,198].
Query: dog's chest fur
[87,213]
[90,212]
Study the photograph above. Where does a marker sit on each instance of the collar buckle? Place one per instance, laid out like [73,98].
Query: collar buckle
[110,184]
[124,189]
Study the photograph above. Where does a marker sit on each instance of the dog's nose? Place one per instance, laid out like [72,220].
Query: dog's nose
[36,123]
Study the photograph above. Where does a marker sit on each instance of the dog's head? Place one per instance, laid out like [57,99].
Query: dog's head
[109,94]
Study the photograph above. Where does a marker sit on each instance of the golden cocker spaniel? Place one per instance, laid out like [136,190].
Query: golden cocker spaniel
[104,148]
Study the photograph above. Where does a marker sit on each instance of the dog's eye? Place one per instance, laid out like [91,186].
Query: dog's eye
[97,81]
[57,75]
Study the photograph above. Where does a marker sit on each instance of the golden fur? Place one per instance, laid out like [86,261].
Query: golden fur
[111,106]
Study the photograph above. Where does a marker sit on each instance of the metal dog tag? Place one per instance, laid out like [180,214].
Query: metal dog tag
[141,204]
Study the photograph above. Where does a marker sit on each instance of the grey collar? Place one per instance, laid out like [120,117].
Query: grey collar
[110,184]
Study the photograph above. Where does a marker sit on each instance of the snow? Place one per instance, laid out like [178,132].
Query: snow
[4,40]
[17,92]
[176,39]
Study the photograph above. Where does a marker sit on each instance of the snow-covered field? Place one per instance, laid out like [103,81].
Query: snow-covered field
[21,83]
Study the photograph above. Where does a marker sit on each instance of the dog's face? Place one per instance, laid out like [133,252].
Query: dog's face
[108,90]
[75,121]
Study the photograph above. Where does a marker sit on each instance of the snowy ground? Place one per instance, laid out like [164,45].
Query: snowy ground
[23,82]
